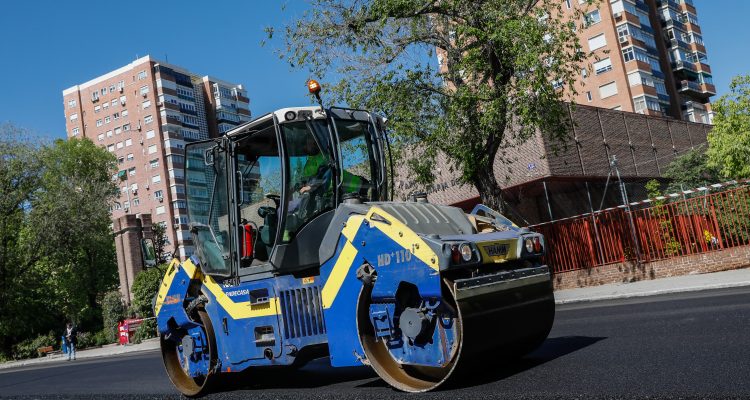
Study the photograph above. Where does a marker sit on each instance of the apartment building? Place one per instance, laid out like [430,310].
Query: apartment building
[649,58]
[144,113]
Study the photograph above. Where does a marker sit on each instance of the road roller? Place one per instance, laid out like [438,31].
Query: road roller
[301,253]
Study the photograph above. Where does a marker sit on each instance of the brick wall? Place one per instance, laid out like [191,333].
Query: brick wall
[715,261]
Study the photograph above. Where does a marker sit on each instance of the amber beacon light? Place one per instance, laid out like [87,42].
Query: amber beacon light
[313,86]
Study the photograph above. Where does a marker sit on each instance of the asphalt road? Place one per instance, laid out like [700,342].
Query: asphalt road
[686,345]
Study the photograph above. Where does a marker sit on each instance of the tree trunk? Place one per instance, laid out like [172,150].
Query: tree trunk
[490,193]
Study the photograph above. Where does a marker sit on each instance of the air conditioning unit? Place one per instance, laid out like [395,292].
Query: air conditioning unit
[121,89]
[140,140]
[176,226]
[161,199]
[617,14]
[144,94]
[135,191]
[122,102]
[146,186]
[139,126]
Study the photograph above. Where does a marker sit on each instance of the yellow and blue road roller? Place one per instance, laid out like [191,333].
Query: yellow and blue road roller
[300,253]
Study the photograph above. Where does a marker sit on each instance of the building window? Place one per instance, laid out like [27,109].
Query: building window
[116,115]
[152,149]
[156,179]
[122,100]
[97,109]
[99,122]
[105,106]
[128,142]
[104,91]
[114,103]
[588,97]
[592,18]
[584,73]
[597,42]
[126,127]
[160,210]
[603,66]
[146,104]
[567,4]
[131,171]
[136,201]
[111,148]
[75,131]
[124,113]
[119,145]
[73,116]
[107,119]
[179,204]
[100,137]
[148,119]
[142,75]
[154,163]
[130,157]
[109,133]
[628,54]
[72,103]
[608,90]
[150,134]
[144,90]
[158,194]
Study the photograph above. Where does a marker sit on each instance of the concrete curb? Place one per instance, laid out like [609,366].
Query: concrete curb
[99,352]
[616,296]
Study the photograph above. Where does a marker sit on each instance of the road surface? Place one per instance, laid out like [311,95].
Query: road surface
[692,344]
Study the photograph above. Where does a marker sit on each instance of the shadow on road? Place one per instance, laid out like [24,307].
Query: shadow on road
[319,373]
[495,370]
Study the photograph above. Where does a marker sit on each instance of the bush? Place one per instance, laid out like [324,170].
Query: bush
[147,330]
[28,348]
[85,340]
[145,286]
[113,310]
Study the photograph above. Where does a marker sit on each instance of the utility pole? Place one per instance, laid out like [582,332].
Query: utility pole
[626,203]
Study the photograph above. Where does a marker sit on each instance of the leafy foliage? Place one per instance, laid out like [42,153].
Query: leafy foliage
[113,311]
[491,90]
[729,140]
[56,250]
[28,348]
[160,242]
[691,170]
[145,287]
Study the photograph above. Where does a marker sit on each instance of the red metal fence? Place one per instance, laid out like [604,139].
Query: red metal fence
[655,232]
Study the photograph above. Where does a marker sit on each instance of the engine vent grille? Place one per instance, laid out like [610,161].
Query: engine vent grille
[302,312]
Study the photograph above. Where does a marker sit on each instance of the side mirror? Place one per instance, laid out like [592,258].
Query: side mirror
[148,252]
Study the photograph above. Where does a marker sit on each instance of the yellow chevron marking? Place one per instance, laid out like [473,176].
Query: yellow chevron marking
[352,226]
[401,234]
[166,282]
[338,273]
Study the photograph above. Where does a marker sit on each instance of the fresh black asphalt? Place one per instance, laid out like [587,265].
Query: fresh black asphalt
[693,345]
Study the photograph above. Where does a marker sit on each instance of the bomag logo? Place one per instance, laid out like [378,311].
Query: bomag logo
[496,249]
[173,299]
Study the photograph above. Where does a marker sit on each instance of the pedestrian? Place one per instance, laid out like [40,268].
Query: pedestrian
[71,340]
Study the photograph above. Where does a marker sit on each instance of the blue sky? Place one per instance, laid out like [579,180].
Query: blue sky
[50,45]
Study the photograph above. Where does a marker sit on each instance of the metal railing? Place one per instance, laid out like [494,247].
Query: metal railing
[676,228]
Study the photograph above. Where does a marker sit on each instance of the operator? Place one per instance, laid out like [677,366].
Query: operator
[317,172]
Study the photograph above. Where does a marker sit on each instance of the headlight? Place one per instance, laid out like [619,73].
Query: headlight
[466,252]
[529,244]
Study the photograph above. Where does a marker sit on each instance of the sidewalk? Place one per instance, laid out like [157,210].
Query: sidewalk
[676,284]
[104,351]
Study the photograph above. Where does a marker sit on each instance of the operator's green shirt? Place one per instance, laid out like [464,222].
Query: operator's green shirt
[351,182]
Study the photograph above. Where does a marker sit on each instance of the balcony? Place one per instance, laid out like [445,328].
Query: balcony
[684,65]
[696,89]
[673,23]
[677,43]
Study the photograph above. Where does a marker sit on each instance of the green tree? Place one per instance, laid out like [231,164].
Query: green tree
[160,242]
[113,310]
[504,66]
[24,306]
[691,170]
[69,226]
[729,140]
[145,287]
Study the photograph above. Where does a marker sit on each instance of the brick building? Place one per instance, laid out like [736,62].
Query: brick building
[144,113]
[649,58]
[544,181]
